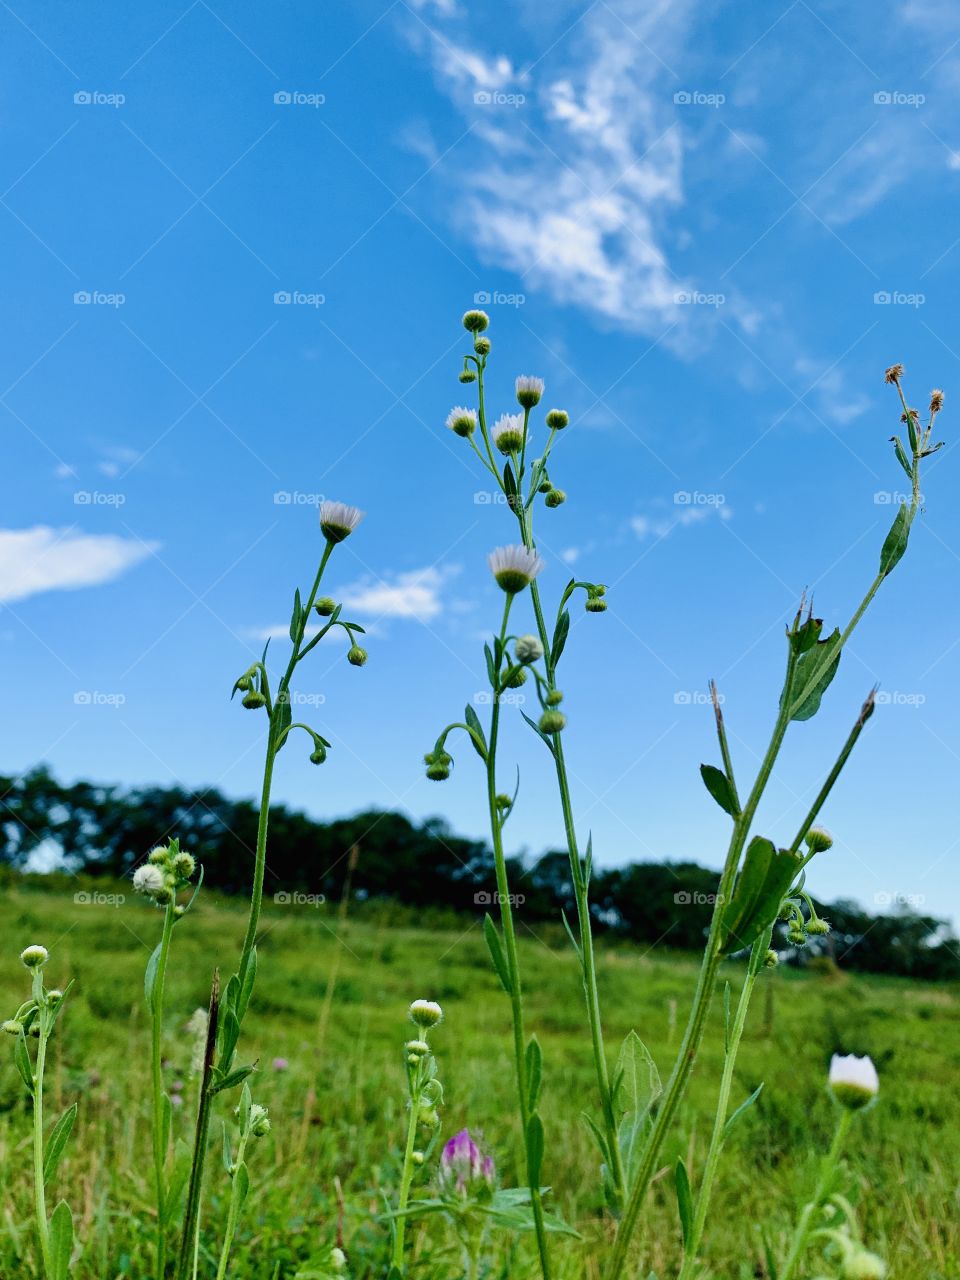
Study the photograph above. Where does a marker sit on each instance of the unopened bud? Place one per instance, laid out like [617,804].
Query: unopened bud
[552,722]
[325,606]
[356,656]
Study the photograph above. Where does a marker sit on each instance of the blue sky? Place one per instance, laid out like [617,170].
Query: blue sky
[709,228]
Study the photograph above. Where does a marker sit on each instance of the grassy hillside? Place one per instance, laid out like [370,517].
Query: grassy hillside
[337,1108]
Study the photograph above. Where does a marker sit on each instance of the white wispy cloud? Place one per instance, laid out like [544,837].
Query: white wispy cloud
[661,526]
[42,558]
[416,594]
[574,188]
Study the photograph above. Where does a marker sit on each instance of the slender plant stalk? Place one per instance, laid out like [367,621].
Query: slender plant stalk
[190,1240]
[233,1211]
[159,1099]
[801,1235]
[792,699]
[513,965]
[406,1177]
[39,1194]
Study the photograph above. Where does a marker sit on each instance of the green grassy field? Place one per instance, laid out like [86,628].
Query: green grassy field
[337,1109]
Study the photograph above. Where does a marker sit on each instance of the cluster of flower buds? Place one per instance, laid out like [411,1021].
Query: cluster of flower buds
[426,1091]
[918,437]
[803,927]
[257,1119]
[25,1020]
[464,1170]
[438,764]
[168,869]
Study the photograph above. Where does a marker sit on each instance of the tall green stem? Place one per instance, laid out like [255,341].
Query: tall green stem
[39,1194]
[513,962]
[233,1212]
[159,1123]
[802,1233]
[406,1177]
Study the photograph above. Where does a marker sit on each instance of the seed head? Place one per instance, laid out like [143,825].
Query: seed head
[893,374]
[936,401]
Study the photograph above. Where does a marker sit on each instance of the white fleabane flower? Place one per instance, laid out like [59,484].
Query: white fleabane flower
[508,432]
[426,1013]
[528,649]
[529,391]
[461,421]
[514,567]
[149,880]
[853,1081]
[338,520]
[34,957]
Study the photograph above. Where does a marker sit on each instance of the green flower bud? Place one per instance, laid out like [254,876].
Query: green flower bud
[518,678]
[475,321]
[425,1013]
[797,937]
[555,498]
[438,765]
[552,721]
[356,656]
[554,698]
[771,960]
[863,1265]
[817,926]
[318,755]
[12,1027]
[545,486]
[528,649]
[253,700]
[35,957]
[467,375]
[325,606]
[184,864]
[259,1120]
[557,419]
[503,802]
[54,995]
[595,605]
[159,857]
[819,840]
[338,1260]
[429,1117]
[417,1157]
[244,683]
[482,346]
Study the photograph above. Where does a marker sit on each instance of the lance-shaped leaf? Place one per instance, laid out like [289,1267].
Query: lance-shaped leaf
[741,1110]
[296,616]
[534,1060]
[813,673]
[684,1200]
[534,1137]
[61,1241]
[636,1087]
[57,1142]
[718,784]
[895,543]
[473,720]
[765,877]
[495,947]
[560,637]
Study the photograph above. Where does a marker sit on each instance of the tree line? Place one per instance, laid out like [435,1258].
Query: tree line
[105,831]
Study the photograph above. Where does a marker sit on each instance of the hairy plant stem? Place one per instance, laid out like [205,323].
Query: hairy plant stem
[39,1193]
[802,1233]
[159,1098]
[274,742]
[190,1240]
[233,1212]
[755,964]
[406,1176]
[581,892]
[512,958]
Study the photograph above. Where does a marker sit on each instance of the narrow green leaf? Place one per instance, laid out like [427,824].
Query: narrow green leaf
[241,1181]
[534,1149]
[534,1057]
[684,1200]
[491,669]
[57,1142]
[726,1018]
[150,976]
[750,881]
[536,729]
[495,948]
[21,1057]
[560,637]
[598,1135]
[895,543]
[250,977]
[572,936]
[227,1149]
[718,784]
[473,720]
[743,1107]
[295,616]
[61,1240]
[234,1078]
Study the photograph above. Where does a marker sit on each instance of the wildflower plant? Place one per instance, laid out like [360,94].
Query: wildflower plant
[228,1009]
[35,1021]
[524,480]
[254,1123]
[424,1100]
[167,871]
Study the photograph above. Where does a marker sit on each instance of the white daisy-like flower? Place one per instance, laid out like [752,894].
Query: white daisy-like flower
[338,520]
[853,1081]
[462,422]
[508,432]
[149,880]
[35,956]
[426,1013]
[529,390]
[514,567]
